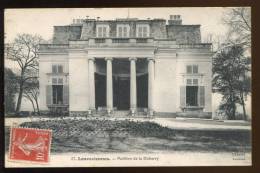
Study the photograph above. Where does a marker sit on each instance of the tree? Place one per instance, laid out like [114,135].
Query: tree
[230,67]
[10,90]
[24,50]
[31,92]
[238,21]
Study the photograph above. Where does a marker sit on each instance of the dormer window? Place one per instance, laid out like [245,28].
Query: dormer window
[102,31]
[123,31]
[142,31]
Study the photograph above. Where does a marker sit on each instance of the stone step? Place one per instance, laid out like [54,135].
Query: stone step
[120,114]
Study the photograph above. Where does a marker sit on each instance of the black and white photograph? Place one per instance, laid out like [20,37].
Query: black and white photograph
[125,87]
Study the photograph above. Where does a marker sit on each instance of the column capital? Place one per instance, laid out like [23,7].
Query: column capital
[108,58]
[150,59]
[132,59]
[91,58]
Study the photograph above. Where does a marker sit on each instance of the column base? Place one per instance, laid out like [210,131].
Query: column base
[110,112]
[91,111]
[150,113]
[133,111]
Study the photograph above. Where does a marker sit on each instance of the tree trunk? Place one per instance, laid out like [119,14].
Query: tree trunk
[20,96]
[37,105]
[233,108]
[19,101]
[32,105]
[243,105]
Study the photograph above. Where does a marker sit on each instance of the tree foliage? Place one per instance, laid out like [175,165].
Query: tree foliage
[238,21]
[10,90]
[230,67]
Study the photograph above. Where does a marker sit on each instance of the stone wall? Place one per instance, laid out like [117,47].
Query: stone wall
[184,33]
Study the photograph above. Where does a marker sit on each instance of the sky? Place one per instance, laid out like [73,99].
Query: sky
[41,21]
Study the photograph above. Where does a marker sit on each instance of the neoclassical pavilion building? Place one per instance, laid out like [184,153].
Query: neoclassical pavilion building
[128,67]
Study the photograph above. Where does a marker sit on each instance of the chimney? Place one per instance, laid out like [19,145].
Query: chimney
[175,20]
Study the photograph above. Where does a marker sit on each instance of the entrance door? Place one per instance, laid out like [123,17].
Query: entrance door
[121,90]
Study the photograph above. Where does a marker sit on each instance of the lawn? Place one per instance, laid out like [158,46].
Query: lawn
[104,135]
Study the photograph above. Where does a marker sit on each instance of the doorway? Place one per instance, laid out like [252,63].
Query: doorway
[121,92]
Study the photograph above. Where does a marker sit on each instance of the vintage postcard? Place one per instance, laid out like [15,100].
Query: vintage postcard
[123,87]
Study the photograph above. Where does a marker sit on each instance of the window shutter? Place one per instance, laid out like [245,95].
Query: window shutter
[49,94]
[104,31]
[189,69]
[195,69]
[201,96]
[140,32]
[125,32]
[60,69]
[65,94]
[54,69]
[183,96]
[99,32]
[144,31]
[119,31]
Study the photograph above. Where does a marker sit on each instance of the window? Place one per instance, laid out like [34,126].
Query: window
[195,82]
[192,69]
[192,95]
[57,81]
[189,81]
[57,69]
[142,31]
[102,31]
[123,31]
[60,81]
[192,82]
[57,94]
[54,81]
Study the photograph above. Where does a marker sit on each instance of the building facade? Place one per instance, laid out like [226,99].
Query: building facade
[137,67]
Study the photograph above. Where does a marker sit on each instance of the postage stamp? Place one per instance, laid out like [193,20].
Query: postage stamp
[31,145]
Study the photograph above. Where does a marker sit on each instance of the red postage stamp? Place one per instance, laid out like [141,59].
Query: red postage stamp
[31,145]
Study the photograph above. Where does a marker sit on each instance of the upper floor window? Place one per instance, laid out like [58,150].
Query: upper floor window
[190,82]
[102,31]
[57,81]
[57,69]
[123,31]
[192,69]
[142,31]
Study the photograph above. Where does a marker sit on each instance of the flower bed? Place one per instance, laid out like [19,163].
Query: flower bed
[104,135]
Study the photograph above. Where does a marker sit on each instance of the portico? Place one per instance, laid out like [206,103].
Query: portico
[122,88]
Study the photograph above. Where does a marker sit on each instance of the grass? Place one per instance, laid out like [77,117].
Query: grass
[103,135]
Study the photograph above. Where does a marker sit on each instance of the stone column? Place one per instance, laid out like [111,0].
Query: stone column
[133,96]
[109,86]
[91,82]
[150,85]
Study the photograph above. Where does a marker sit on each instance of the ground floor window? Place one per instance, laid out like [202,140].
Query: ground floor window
[192,95]
[57,94]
